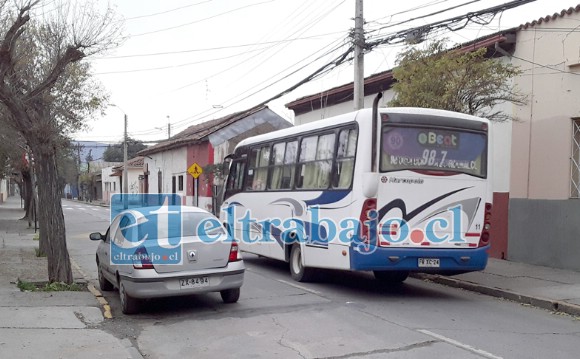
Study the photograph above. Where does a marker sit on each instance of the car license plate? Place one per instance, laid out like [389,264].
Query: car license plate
[195,282]
[429,262]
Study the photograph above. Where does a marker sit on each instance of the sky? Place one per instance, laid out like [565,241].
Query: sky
[188,61]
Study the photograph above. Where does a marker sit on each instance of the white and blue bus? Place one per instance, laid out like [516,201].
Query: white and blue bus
[388,190]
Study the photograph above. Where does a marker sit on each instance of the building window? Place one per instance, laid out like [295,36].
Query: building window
[180,183]
[173,185]
[575,160]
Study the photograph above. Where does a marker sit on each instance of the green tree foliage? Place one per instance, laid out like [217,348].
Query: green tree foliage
[454,80]
[114,153]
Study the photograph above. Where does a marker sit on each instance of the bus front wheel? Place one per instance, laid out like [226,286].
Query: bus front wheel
[391,276]
[297,270]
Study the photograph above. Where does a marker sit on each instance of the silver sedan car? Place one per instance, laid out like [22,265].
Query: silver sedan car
[202,259]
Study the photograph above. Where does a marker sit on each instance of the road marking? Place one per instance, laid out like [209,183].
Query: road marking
[94,209]
[82,208]
[453,342]
[300,287]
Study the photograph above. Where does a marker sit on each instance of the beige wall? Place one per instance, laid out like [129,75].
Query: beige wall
[541,141]
[341,108]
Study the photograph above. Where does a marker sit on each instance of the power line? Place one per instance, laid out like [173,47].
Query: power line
[217,48]
[201,20]
[481,17]
[177,66]
[167,11]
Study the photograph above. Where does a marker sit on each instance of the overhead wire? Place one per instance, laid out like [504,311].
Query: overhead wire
[166,11]
[200,20]
[333,49]
[216,48]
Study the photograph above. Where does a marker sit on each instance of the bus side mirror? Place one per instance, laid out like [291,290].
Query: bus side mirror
[226,163]
[370,183]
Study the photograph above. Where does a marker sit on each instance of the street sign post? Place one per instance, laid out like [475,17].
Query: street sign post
[195,171]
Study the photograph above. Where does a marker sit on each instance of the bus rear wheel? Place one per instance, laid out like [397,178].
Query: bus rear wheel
[391,276]
[297,270]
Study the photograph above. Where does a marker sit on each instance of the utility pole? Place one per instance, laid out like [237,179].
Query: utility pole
[359,44]
[125,172]
[168,128]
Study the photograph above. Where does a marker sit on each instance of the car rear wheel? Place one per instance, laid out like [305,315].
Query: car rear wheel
[104,284]
[298,272]
[230,295]
[129,305]
[391,276]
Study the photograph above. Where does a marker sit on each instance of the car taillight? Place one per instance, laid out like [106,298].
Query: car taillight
[141,259]
[367,218]
[234,253]
[484,239]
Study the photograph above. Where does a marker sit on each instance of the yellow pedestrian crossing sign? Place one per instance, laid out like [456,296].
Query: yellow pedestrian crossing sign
[195,170]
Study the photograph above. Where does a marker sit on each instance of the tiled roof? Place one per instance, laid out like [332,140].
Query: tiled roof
[199,132]
[549,18]
[378,82]
[136,162]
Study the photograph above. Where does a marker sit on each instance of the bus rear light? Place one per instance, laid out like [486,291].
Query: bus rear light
[367,218]
[485,235]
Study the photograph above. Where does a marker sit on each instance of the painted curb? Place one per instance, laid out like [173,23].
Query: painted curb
[536,301]
[106,308]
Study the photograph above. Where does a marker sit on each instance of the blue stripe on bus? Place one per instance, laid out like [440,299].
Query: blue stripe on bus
[327,197]
[450,259]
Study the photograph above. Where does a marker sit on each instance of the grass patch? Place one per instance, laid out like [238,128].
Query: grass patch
[25,286]
[36,236]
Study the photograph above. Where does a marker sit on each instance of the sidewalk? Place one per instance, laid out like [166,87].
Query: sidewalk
[47,324]
[548,288]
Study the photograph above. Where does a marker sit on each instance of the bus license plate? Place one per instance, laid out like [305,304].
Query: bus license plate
[195,282]
[429,262]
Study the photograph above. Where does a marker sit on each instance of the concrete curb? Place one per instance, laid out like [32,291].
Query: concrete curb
[544,303]
[106,308]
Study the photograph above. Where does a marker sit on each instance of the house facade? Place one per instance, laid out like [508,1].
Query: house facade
[536,159]
[544,216]
[206,144]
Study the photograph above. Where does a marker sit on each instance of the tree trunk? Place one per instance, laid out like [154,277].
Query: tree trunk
[27,196]
[50,214]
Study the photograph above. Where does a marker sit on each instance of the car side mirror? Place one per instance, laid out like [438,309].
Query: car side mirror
[96,236]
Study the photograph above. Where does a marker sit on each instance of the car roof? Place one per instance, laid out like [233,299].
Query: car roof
[183,209]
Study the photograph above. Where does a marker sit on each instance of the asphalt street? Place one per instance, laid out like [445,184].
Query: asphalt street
[340,315]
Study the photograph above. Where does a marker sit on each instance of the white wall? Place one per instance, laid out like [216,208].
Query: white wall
[340,109]
[549,55]
[110,184]
[170,163]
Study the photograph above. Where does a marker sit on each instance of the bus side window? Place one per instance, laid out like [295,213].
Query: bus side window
[258,169]
[236,177]
[315,163]
[345,158]
[283,165]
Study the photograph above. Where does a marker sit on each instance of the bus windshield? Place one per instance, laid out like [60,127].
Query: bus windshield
[433,148]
